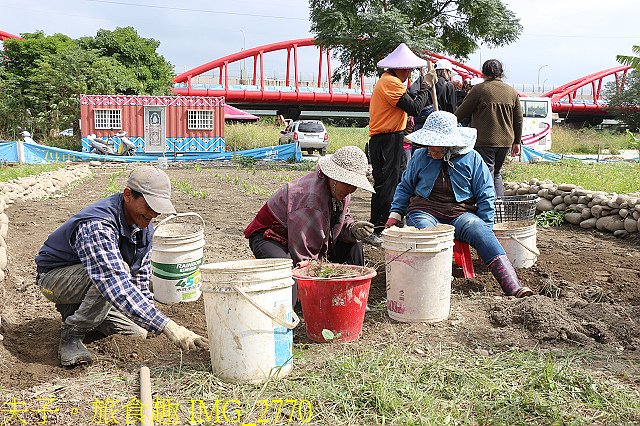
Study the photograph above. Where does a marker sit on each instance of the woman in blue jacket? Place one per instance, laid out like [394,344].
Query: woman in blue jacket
[449,183]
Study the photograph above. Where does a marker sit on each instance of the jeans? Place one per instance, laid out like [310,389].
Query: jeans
[469,229]
[81,305]
[494,159]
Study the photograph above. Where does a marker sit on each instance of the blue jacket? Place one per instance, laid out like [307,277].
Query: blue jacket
[470,178]
[57,251]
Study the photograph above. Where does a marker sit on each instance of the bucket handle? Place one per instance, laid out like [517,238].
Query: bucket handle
[534,250]
[284,323]
[177,215]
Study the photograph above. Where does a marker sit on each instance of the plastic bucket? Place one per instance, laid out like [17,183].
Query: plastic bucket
[176,257]
[250,319]
[419,272]
[334,304]
[163,163]
[519,242]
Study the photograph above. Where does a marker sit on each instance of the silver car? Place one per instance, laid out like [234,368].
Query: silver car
[310,134]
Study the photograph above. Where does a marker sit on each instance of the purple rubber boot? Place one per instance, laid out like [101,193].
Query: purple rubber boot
[502,269]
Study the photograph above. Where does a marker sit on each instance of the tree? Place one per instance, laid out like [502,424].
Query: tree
[137,54]
[361,32]
[634,61]
[623,101]
[41,77]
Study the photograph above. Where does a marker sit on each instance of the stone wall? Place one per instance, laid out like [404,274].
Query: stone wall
[605,211]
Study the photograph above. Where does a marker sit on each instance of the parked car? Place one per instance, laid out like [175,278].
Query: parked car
[66,132]
[310,134]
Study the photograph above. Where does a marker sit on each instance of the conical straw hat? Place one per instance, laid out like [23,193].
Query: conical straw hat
[402,58]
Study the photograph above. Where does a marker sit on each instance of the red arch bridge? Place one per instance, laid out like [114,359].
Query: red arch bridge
[290,95]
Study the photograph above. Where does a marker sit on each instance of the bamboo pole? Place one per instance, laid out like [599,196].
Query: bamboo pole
[145,397]
[434,96]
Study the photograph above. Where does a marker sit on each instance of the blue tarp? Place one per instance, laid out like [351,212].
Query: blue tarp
[36,154]
[529,154]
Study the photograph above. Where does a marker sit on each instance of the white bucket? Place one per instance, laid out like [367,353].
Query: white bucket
[518,238]
[250,319]
[418,266]
[176,257]
[163,163]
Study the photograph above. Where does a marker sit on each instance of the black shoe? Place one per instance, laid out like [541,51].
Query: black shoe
[373,239]
[72,351]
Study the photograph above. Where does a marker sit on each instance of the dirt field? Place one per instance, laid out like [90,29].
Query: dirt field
[586,286]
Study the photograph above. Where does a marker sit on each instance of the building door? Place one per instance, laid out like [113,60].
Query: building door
[155,132]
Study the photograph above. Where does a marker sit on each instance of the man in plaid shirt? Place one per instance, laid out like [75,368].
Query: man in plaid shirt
[96,268]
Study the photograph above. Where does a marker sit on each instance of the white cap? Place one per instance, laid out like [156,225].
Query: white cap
[444,64]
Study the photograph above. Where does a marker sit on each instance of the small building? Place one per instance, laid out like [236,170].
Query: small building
[156,124]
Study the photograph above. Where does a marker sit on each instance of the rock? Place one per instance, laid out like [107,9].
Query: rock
[522,191]
[599,198]
[543,193]
[623,213]
[596,211]
[573,217]
[95,163]
[546,185]
[534,189]
[639,225]
[558,199]
[620,233]
[586,213]
[4,230]
[534,181]
[560,207]
[583,199]
[610,223]
[566,186]
[605,212]
[481,352]
[588,223]
[510,192]
[3,257]
[567,199]
[636,215]
[622,199]
[580,192]
[613,204]
[630,225]
[544,205]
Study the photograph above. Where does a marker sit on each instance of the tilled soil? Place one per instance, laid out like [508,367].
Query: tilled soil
[586,286]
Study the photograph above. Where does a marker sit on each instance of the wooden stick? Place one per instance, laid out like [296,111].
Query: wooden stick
[434,95]
[145,397]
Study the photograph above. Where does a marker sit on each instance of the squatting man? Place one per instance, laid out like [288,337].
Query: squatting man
[96,269]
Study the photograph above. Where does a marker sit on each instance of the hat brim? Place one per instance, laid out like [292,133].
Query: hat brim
[335,172]
[461,137]
[159,205]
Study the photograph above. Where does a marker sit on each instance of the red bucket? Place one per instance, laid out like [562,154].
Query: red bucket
[334,304]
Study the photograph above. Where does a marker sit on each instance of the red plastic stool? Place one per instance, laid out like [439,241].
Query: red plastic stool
[462,257]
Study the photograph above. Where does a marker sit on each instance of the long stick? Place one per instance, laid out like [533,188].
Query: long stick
[434,95]
[145,397]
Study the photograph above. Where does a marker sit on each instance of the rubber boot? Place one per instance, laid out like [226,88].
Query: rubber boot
[72,351]
[502,269]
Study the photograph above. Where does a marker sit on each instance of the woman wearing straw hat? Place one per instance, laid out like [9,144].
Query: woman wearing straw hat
[309,218]
[449,183]
[388,109]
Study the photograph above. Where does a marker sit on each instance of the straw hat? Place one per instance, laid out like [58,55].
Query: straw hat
[402,58]
[347,165]
[441,129]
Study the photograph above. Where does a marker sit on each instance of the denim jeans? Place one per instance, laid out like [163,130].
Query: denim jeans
[469,229]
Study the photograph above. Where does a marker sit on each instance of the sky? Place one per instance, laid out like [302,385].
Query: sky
[562,39]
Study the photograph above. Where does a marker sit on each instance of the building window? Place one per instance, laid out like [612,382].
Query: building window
[200,120]
[107,118]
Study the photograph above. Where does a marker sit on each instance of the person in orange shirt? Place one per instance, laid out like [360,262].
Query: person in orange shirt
[390,103]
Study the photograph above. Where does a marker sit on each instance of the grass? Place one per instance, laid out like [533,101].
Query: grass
[187,188]
[397,386]
[266,133]
[586,141]
[113,186]
[620,177]
[16,171]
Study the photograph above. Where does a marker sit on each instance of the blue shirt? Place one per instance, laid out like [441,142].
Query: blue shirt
[470,178]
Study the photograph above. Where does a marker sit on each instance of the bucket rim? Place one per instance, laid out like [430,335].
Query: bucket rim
[413,232]
[297,273]
[503,226]
[250,265]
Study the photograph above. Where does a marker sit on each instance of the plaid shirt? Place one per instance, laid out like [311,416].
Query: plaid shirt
[96,243]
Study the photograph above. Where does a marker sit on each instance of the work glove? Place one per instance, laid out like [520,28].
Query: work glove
[183,337]
[361,229]
[394,220]
[429,79]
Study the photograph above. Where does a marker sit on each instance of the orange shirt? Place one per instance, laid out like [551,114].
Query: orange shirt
[384,115]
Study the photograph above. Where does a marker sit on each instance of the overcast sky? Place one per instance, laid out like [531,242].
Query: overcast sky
[561,41]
